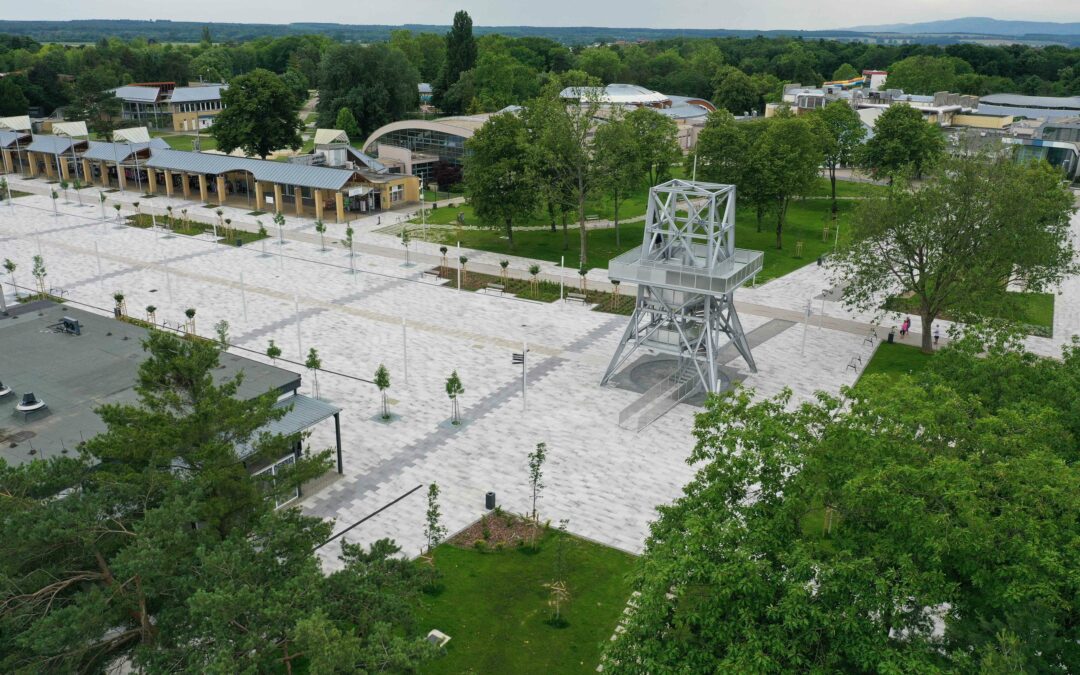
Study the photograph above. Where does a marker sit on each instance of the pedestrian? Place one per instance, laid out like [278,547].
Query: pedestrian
[378,221]
[937,334]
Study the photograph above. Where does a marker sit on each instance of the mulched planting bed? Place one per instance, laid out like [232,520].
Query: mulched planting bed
[496,530]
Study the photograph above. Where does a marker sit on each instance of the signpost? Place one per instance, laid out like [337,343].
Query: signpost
[519,359]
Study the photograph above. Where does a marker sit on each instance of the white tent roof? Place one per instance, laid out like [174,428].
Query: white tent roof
[72,129]
[133,135]
[17,123]
[328,136]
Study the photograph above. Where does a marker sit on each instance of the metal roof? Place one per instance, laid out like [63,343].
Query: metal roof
[282,173]
[8,138]
[1020,101]
[120,152]
[52,145]
[137,94]
[302,412]
[204,93]
[328,136]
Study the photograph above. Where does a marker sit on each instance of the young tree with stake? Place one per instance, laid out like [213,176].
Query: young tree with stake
[454,389]
[313,363]
[382,381]
[434,531]
[536,474]
[40,273]
[273,352]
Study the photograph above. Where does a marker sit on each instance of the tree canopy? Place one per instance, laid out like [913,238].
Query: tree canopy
[261,115]
[957,243]
[917,525]
[460,57]
[841,133]
[375,82]
[499,180]
[902,142]
[156,538]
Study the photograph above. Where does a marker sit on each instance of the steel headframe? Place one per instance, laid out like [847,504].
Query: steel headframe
[689,227]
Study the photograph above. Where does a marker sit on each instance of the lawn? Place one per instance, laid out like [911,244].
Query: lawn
[541,291]
[893,360]
[184,142]
[804,223]
[494,606]
[846,189]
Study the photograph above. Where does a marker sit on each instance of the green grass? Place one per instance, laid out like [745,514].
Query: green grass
[846,189]
[804,223]
[1035,311]
[183,142]
[893,360]
[494,607]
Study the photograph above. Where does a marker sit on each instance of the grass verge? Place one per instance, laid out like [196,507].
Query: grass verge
[1034,312]
[542,291]
[192,228]
[494,606]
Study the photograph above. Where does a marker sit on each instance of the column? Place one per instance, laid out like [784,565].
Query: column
[339,200]
[202,188]
[151,178]
[9,166]
[220,189]
[32,160]
[87,175]
[168,183]
[319,204]
[120,178]
[65,171]
[104,174]
[260,198]
[277,198]
[50,167]
[185,182]
[298,197]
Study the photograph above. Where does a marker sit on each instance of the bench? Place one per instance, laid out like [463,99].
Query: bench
[576,297]
[497,287]
[855,363]
[431,273]
[592,218]
[871,338]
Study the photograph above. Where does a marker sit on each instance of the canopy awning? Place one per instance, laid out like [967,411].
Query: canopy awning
[304,413]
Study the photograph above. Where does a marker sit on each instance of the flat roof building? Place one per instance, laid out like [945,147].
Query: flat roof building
[74,374]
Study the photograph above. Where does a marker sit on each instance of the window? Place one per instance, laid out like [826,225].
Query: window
[281,465]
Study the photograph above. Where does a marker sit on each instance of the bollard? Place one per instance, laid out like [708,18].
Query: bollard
[489,501]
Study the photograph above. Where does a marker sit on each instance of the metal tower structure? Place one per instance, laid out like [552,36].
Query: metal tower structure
[686,270]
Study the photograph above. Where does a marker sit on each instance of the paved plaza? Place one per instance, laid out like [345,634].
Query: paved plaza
[605,479]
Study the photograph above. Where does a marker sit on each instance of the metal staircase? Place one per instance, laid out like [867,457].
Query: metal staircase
[661,397]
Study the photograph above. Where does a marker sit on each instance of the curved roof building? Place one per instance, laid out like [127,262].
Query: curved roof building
[417,146]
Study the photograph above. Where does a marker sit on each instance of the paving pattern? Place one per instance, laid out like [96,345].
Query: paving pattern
[606,480]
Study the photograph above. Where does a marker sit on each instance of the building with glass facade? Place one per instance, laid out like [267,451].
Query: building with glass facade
[420,147]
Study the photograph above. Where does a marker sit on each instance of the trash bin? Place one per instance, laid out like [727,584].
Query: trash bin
[489,501]
[819,260]
[116,312]
[239,241]
[892,335]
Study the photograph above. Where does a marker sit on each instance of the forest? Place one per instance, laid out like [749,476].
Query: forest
[508,70]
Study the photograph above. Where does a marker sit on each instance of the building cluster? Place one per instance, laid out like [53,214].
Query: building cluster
[333,181]
[1038,127]
[431,149]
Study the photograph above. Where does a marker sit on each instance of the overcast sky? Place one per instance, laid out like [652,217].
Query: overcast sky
[763,14]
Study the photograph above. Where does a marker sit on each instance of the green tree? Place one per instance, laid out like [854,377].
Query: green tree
[261,115]
[789,153]
[735,91]
[314,363]
[841,133]
[375,82]
[923,74]
[460,58]
[273,352]
[602,63]
[39,272]
[166,540]
[536,474]
[956,244]
[221,329]
[382,381]
[498,178]
[902,142]
[845,71]
[347,123]
[561,138]
[434,531]
[926,481]
[658,140]
[12,99]
[619,165]
[454,389]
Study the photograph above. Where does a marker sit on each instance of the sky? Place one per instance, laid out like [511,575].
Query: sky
[759,14]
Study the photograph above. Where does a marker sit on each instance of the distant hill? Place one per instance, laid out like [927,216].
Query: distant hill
[977,25]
